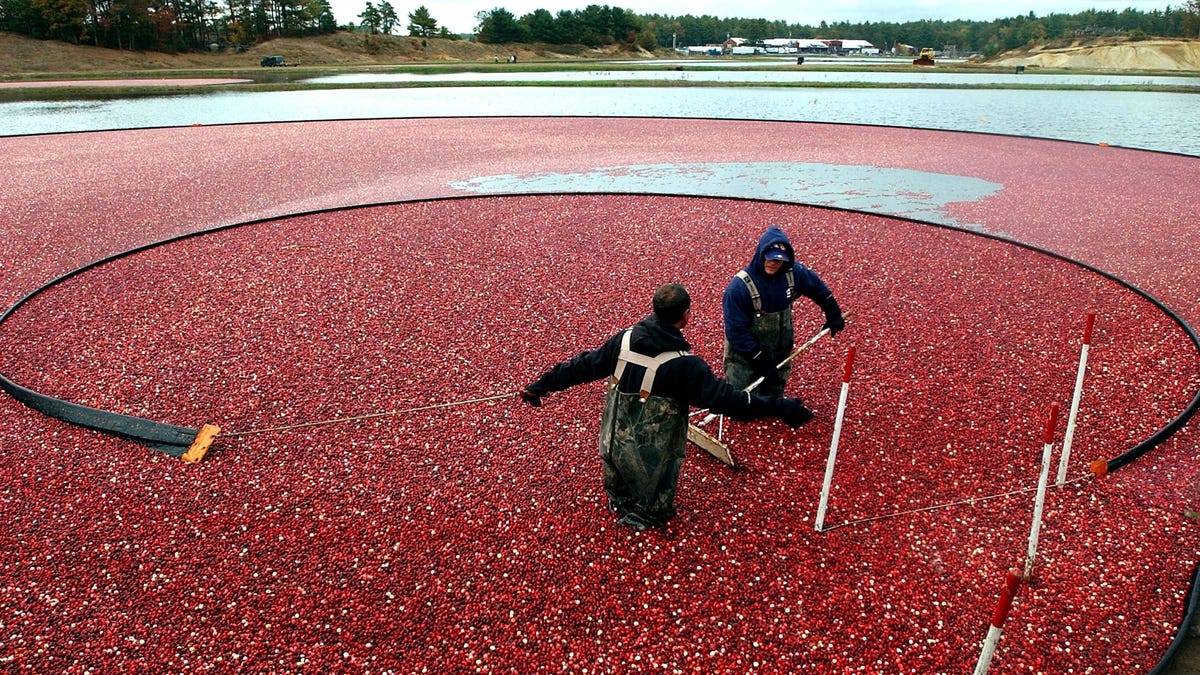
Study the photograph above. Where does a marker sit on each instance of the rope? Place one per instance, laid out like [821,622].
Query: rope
[970,501]
[359,418]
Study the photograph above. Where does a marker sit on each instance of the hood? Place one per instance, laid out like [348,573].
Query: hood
[772,236]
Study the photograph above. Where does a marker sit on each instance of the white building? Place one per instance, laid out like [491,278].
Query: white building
[811,46]
[859,47]
[795,46]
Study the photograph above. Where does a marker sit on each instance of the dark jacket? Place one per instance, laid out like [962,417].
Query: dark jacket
[687,379]
[776,296]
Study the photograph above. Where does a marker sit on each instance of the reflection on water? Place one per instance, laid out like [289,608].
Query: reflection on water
[1147,120]
[50,108]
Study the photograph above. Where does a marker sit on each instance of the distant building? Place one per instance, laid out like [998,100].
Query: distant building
[810,46]
[858,47]
[795,46]
[739,47]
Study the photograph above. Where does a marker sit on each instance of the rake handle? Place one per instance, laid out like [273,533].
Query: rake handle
[796,352]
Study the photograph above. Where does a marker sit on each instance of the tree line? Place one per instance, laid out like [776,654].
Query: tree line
[166,25]
[383,19]
[597,26]
[185,25]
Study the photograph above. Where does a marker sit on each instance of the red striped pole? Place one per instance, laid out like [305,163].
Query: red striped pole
[1012,581]
[837,434]
[1040,502]
[1070,433]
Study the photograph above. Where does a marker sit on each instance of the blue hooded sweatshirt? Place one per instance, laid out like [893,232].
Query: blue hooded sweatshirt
[773,290]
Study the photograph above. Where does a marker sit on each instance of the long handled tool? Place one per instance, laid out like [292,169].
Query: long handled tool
[796,352]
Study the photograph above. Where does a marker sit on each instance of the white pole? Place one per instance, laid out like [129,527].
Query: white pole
[837,434]
[1040,502]
[1012,581]
[1070,433]
[989,650]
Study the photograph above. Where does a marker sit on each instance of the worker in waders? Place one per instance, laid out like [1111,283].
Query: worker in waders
[653,382]
[758,313]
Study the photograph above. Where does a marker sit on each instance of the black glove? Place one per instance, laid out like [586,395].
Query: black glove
[531,398]
[761,363]
[791,411]
[833,316]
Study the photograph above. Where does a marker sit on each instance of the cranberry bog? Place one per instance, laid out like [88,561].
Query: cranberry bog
[378,500]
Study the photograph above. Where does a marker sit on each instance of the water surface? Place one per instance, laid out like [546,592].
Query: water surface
[1148,120]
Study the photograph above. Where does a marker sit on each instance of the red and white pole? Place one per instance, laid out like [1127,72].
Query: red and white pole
[837,434]
[1070,433]
[1012,581]
[1040,502]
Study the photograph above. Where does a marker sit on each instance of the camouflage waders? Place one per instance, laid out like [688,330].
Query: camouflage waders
[642,443]
[775,336]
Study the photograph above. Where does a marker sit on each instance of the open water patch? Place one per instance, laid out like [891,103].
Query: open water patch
[908,193]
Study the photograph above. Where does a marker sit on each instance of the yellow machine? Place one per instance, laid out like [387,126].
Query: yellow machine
[925,58]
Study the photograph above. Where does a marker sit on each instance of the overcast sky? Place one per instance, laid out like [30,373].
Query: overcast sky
[459,15]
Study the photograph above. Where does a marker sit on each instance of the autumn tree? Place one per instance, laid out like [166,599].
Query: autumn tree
[62,19]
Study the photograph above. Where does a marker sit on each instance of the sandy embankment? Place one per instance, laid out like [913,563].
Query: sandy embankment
[1145,55]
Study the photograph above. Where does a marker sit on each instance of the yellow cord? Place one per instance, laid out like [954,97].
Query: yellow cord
[365,417]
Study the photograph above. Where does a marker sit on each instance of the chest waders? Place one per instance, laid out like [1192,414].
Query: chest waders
[642,442]
[775,336]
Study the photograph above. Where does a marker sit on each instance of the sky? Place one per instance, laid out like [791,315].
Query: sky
[459,15]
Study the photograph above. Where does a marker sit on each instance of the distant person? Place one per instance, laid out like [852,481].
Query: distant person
[757,306]
[653,381]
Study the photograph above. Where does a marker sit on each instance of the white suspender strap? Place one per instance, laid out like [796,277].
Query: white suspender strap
[650,363]
[755,298]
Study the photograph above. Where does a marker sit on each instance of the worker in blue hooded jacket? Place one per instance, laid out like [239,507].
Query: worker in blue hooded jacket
[758,313]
